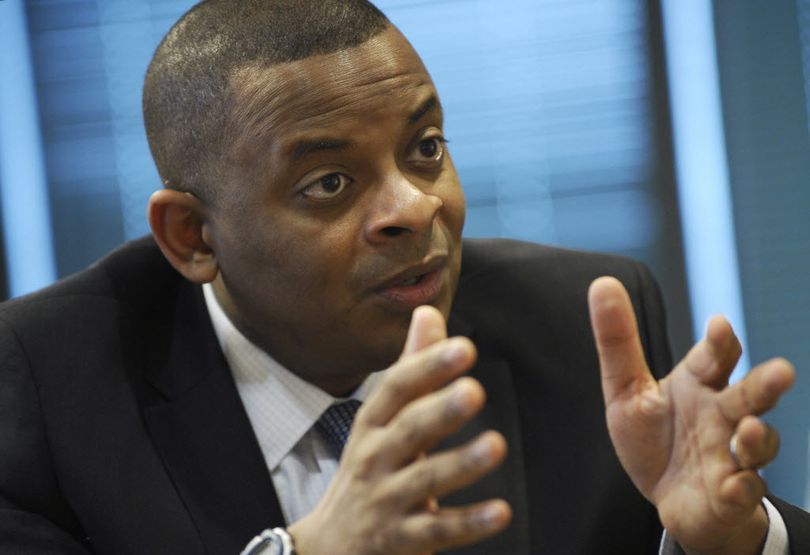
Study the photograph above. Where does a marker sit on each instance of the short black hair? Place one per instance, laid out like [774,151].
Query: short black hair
[185,94]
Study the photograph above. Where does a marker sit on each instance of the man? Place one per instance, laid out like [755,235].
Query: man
[169,398]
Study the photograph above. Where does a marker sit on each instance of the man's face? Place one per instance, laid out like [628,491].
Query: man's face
[346,213]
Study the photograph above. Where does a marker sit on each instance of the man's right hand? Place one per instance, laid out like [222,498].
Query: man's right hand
[382,499]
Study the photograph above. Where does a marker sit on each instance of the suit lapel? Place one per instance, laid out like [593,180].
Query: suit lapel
[203,434]
[507,481]
[204,437]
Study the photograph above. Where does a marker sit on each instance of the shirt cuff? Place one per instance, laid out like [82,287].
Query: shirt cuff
[776,542]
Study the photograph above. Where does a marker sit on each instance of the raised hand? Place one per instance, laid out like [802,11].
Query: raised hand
[673,437]
[382,499]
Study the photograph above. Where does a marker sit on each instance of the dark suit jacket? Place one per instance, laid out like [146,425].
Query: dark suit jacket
[121,430]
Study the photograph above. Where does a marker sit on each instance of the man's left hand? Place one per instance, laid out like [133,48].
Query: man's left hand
[675,437]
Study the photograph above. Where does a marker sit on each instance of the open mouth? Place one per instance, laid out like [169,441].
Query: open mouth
[410,281]
[415,290]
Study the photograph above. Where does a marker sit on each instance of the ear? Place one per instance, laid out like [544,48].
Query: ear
[178,221]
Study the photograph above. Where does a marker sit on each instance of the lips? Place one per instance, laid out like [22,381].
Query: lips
[417,285]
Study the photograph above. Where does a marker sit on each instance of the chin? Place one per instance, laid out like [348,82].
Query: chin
[385,349]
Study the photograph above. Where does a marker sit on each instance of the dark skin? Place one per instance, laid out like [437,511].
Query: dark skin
[345,214]
[672,436]
[350,183]
[343,186]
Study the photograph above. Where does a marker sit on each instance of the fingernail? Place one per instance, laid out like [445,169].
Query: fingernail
[455,352]
[481,452]
[460,397]
[488,517]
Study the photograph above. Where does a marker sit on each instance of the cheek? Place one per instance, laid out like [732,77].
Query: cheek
[312,259]
[453,206]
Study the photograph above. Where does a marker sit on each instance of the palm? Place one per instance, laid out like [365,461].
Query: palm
[672,436]
[673,440]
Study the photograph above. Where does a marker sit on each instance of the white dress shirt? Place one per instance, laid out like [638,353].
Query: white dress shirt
[283,409]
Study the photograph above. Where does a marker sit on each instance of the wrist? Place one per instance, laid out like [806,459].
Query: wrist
[748,541]
[301,540]
[271,542]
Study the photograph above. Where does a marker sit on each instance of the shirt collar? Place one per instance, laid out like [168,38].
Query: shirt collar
[281,406]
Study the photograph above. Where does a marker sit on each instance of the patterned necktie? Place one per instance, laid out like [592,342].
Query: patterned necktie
[335,423]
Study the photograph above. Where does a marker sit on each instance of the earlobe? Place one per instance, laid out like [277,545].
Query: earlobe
[178,222]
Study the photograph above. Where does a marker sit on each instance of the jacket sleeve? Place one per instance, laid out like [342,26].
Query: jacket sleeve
[797,523]
[34,517]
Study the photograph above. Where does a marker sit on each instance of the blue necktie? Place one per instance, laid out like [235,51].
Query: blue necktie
[335,424]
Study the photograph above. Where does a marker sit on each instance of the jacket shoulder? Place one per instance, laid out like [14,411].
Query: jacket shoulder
[135,274]
[542,269]
[135,268]
[509,287]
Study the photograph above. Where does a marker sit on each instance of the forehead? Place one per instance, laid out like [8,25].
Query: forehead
[381,76]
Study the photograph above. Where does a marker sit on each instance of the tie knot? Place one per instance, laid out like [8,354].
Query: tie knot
[336,422]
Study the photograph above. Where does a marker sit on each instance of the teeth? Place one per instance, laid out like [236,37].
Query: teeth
[409,281]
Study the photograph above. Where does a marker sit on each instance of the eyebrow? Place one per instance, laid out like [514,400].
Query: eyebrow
[428,105]
[308,146]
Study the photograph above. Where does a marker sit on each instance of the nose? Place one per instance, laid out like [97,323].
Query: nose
[401,208]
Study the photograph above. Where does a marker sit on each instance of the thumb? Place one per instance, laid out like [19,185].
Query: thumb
[621,357]
[427,327]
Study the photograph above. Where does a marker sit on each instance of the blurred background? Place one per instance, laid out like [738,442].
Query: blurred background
[672,131]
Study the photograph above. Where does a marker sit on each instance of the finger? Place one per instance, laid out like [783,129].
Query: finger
[415,375]
[427,327]
[424,422]
[755,443]
[712,360]
[740,494]
[454,526]
[621,357]
[758,391]
[445,472]
[721,336]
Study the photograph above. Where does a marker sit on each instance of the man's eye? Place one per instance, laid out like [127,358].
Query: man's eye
[430,149]
[327,187]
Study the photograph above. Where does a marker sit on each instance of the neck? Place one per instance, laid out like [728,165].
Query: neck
[333,366]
